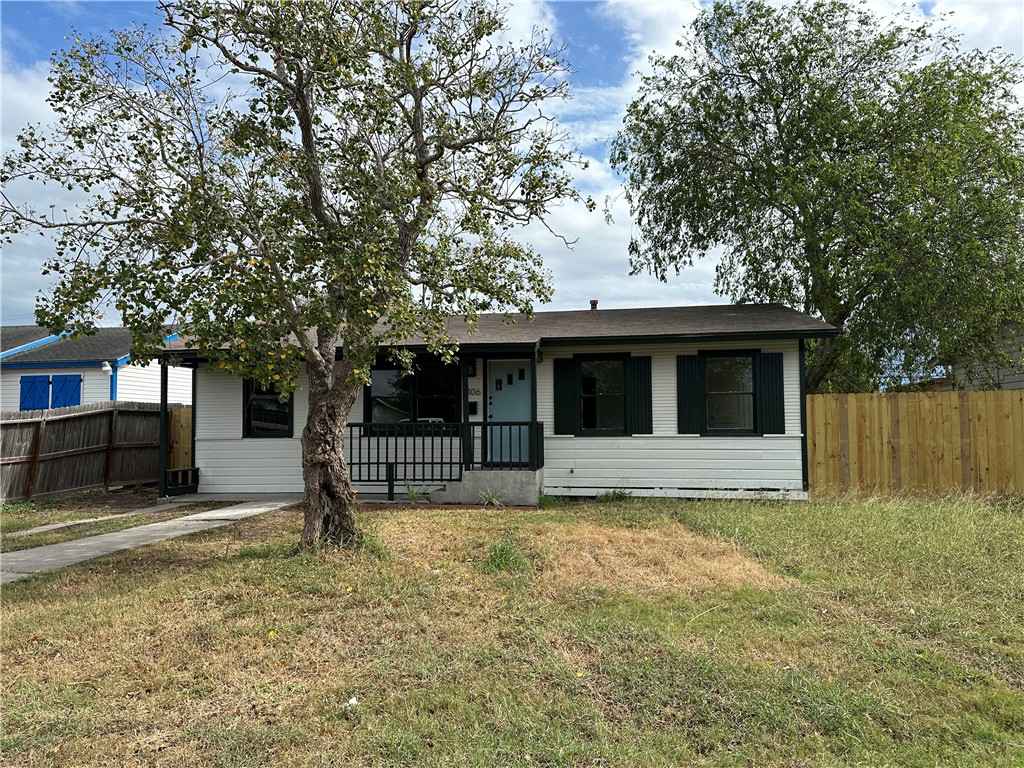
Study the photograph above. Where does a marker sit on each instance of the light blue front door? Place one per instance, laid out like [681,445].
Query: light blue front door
[509,399]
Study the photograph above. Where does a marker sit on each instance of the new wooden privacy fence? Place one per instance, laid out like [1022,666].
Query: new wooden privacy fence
[935,442]
[88,446]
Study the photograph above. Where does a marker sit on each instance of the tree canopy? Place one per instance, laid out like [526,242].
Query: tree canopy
[865,171]
[281,178]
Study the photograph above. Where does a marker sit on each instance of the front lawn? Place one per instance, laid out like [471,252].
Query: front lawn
[605,633]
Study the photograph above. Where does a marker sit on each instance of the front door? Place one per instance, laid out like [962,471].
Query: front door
[509,399]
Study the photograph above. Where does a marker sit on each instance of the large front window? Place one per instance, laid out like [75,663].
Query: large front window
[731,393]
[602,394]
[431,393]
[389,397]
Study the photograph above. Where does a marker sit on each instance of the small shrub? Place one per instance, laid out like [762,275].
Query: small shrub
[28,507]
[546,502]
[374,546]
[17,508]
[491,498]
[415,495]
[270,551]
[507,556]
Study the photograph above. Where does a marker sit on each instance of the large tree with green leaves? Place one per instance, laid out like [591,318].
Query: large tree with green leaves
[284,178]
[863,170]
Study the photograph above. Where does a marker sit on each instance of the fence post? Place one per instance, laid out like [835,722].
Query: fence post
[34,468]
[111,432]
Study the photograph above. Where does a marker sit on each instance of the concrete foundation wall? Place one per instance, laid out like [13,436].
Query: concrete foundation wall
[518,488]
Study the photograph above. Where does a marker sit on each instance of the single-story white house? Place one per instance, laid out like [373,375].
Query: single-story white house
[1002,377]
[670,401]
[40,371]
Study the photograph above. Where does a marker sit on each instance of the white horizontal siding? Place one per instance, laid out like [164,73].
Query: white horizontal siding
[230,463]
[10,389]
[95,384]
[666,463]
[676,465]
[663,378]
[269,465]
[141,383]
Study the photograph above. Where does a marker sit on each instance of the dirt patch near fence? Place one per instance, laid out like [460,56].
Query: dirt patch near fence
[18,515]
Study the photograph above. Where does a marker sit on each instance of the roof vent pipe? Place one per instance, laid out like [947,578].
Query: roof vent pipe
[593,305]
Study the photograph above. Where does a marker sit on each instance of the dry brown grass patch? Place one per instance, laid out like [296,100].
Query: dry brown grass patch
[426,537]
[669,558]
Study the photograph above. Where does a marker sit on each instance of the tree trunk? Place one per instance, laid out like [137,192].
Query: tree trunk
[822,362]
[330,499]
[814,376]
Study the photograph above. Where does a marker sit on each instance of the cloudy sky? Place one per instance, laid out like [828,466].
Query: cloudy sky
[607,44]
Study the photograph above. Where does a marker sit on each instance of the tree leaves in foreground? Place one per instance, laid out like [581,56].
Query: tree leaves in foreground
[867,172]
[281,178]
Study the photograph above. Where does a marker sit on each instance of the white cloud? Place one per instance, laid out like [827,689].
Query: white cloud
[526,15]
[598,265]
[24,102]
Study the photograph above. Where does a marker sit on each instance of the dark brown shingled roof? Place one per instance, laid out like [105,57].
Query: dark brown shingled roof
[12,336]
[718,321]
[665,323]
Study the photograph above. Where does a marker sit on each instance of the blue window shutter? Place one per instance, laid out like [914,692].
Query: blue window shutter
[690,394]
[771,411]
[67,390]
[35,393]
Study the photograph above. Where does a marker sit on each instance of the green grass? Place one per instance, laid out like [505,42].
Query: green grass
[839,633]
[506,555]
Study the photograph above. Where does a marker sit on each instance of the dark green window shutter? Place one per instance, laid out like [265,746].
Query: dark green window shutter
[567,396]
[639,417]
[690,394]
[771,410]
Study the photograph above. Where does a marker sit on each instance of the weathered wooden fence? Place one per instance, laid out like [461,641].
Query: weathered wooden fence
[936,442]
[98,445]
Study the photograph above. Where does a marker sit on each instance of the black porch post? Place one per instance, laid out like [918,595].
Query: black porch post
[195,375]
[465,431]
[803,420]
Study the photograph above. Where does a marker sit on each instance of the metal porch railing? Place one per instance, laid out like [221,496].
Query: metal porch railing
[426,452]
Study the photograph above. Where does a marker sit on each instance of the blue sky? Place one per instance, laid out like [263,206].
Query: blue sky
[607,43]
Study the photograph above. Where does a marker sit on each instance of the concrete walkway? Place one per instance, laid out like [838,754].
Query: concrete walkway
[19,565]
[85,521]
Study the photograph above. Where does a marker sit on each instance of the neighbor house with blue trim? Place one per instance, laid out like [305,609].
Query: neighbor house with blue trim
[39,370]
